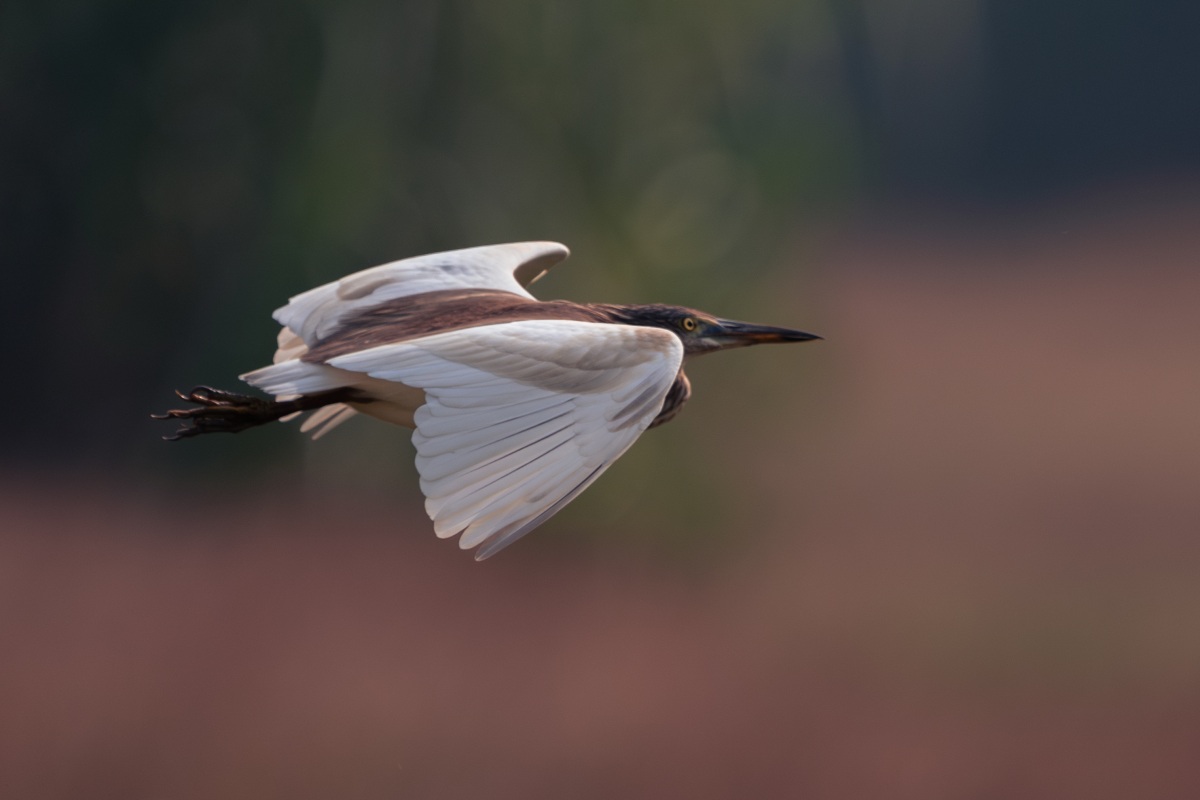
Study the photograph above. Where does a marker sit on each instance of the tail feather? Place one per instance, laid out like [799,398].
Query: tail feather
[323,420]
[295,378]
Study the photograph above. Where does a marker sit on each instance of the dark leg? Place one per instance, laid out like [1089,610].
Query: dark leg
[229,412]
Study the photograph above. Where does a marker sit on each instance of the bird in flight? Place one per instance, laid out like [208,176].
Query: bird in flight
[517,405]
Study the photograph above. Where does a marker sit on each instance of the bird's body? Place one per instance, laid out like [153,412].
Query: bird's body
[518,405]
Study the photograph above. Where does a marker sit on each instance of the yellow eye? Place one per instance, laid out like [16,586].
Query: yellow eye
[688,324]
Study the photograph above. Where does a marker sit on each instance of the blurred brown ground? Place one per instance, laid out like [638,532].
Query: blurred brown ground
[975,575]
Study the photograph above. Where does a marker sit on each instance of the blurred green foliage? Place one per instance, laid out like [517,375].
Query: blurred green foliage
[171,172]
[202,162]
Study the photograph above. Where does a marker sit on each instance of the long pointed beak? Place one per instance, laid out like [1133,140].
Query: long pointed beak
[741,334]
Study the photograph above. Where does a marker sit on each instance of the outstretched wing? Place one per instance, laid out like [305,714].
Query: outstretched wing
[313,315]
[521,417]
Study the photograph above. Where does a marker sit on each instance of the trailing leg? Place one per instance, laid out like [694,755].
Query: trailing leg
[220,411]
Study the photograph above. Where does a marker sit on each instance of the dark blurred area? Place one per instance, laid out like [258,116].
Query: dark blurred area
[950,552]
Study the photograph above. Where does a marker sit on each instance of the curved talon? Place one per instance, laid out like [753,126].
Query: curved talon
[220,411]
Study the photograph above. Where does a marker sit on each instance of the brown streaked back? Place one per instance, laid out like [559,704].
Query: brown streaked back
[419,315]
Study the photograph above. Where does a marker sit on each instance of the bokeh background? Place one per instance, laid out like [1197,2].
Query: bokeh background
[951,552]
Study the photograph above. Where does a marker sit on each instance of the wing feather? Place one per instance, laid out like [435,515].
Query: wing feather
[505,536]
[478,442]
[486,468]
[469,508]
[323,420]
[312,315]
[520,417]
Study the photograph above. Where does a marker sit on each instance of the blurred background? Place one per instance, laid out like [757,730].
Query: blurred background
[950,552]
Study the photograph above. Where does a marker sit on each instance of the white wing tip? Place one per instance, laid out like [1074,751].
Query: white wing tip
[536,259]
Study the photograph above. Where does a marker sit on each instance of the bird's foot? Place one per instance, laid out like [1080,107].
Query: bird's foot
[221,411]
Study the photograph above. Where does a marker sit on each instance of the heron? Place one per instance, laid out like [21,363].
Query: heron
[517,405]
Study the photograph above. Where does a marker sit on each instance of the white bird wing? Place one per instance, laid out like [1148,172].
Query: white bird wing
[521,417]
[313,315]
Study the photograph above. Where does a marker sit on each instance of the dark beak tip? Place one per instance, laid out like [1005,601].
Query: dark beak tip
[743,333]
[798,336]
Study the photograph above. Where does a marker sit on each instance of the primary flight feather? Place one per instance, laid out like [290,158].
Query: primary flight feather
[517,405]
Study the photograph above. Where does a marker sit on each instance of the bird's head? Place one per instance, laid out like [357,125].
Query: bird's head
[703,333]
